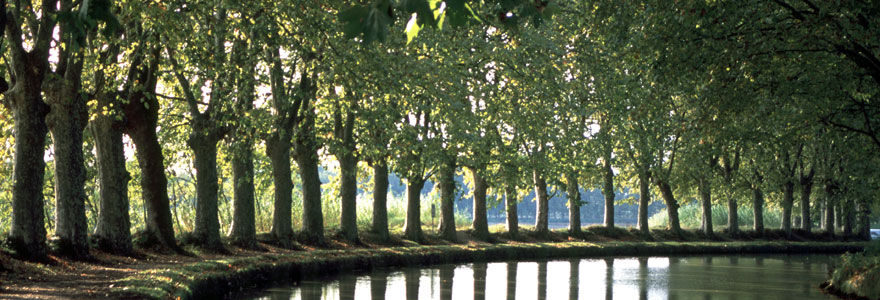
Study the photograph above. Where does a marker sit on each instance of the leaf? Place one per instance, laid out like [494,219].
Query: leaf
[412,28]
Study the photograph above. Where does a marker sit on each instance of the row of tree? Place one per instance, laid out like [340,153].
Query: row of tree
[755,100]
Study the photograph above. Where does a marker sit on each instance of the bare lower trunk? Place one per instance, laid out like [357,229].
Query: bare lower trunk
[806,191]
[541,202]
[673,222]
[348,197]
[380,199]
[207,228]
[113,229]
[412,227]
[312,215]
[828,222]
[758,210]
[644,201]
[447,200]
[863,219]
[28,234]
[608,190]
[142,115]
[787,203]
[848,217]
[67,120]
[154,186]
[705,191]
[278,150]
[243,231]
[732,216]
[510,201]
[574,204]
[481,222]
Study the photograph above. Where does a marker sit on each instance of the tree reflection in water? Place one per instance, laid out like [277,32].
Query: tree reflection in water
[684,278]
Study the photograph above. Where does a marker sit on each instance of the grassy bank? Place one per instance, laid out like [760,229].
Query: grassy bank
[857,275]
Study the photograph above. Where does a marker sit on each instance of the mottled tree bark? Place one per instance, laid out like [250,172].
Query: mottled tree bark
[113,229]
[66,120]
[243,231]
[863,219]
[705,190]
[203,142]
[412,227]
[673,221]
[447,198]
[848,217]
[608,188]
[278,150]
[644,200]
[306,149]
[574,204]
[541,202]
[481,222]
[142,114]
[344,132]
[758,210]
[828,224]
[510,201]
[28,234]
[380,199]
[787,203]
[806,191]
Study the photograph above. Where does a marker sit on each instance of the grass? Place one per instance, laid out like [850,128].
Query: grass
[858,274]
[691,215]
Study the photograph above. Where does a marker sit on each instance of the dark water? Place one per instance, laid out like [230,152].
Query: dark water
[693,277]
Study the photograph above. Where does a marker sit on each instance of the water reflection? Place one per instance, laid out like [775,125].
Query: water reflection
[684,278]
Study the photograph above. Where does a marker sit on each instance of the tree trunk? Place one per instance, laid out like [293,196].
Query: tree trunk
[705,191]
[380,199]
[787,203]
[142,116]
[848,217]
[806,191]
[348,195]
[758,210]
[574,204]
[412,227]
[447,199]
[828,224]
[512,216]
[732,216]
[113,229]
[28,234]
[307,160]
[541,204]
[644,201]
[481,222]
[203,142]
[864,220]
[511,280]
[278,150]
[608,189]
[673,222]
[67,119]
[243,231]
[344,131]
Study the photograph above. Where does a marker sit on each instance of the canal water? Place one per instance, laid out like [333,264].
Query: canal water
[689,277]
